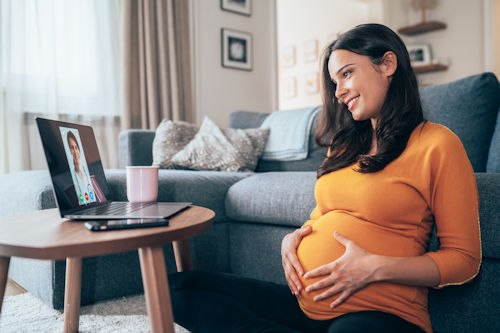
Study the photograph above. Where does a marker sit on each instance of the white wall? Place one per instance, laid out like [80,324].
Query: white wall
[220,90]
[300,21]
[496,37]
[461,45]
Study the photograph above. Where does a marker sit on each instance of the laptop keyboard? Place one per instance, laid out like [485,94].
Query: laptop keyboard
[115,208]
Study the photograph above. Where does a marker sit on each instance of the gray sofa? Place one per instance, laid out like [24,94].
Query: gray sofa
[255,210]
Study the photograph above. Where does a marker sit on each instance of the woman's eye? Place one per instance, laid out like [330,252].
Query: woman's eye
[347,73]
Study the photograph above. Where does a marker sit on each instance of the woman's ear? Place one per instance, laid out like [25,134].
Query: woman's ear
[389,63]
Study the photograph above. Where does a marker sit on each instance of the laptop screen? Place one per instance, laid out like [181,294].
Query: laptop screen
[74,164]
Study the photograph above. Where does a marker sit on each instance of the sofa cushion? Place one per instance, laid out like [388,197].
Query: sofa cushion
[202,188]
[493,165]
[488,185]
[135,147]
[316,154]
[470,307]
[170,138]
[284,198]
[222,150]
[35,192]
[469,108]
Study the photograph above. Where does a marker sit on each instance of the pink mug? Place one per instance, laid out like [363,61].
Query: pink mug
[142,183]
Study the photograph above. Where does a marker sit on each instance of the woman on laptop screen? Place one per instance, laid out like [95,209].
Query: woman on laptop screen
[78,167]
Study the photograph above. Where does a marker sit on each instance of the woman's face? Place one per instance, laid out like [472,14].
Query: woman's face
[75,151]
[361,85]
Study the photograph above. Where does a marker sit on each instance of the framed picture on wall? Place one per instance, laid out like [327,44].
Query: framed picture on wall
[420,54]
[236,49]
[312,83]
[290,87]
[237,6]
[311,50]
[288,56]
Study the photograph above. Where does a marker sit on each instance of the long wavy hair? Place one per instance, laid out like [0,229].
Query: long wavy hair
[349,140]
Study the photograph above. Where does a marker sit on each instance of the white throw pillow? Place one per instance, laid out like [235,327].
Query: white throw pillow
[222,150]
[170,138]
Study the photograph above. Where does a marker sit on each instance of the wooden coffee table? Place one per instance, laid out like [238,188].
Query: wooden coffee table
[44,234]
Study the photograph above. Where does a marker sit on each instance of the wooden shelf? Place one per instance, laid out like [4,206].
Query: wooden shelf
[422,27]
[429,68]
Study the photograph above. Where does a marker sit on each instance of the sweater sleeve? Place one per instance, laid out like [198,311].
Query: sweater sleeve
[454,203]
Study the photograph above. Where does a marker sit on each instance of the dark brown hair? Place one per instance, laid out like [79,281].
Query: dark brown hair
[70,135]
[349,140]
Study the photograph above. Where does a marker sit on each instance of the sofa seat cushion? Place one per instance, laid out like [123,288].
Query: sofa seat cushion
[202,188]
[469,108]
[282,198]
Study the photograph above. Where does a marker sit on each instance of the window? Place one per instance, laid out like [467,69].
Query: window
[59,56]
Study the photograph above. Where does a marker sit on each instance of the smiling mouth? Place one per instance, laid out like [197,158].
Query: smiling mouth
[351,102]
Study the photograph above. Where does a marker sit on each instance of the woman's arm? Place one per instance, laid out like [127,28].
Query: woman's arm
[357,268]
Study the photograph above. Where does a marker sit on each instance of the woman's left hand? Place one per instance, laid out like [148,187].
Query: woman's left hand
[352,271]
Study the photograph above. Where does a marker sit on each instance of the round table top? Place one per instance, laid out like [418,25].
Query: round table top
[43,234]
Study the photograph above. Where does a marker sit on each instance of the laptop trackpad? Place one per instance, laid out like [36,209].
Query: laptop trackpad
[161,209]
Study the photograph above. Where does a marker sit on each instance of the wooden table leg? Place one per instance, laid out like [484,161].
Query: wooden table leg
[4,273]
[72,294]
[182,255]
[154,279]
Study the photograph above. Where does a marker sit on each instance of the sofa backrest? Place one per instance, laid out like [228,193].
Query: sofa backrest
[136,147]
[469,107]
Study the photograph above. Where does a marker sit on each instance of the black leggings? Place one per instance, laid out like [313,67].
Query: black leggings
[217,302]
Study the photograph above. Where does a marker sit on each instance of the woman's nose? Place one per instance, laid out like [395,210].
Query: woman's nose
[340,91]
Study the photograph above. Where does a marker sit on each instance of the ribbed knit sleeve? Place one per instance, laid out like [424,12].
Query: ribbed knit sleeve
[454,203]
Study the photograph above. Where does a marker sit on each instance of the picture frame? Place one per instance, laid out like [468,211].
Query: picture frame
[311,83]
[242,7]
[236,49]
[290,87]
[288,58]
[311,50]
[420,54]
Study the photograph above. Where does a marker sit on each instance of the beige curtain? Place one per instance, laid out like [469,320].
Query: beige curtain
[157,73]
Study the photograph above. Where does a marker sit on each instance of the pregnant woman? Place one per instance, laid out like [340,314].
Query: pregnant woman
[360,263]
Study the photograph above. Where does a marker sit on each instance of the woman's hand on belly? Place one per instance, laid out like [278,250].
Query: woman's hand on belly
[352,271]
[291,264]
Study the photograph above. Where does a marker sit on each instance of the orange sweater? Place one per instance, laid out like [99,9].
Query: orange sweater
[391,213]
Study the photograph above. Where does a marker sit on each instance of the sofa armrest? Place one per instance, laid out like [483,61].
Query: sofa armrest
[25,191]
[136,147]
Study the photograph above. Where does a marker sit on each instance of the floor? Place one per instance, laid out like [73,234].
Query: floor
[13,288]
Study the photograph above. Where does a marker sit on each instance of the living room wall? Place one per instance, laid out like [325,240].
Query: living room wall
[300,23]
[462,45]
[220,90]
[465,45]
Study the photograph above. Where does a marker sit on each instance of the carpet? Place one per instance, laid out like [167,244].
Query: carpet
[26,313]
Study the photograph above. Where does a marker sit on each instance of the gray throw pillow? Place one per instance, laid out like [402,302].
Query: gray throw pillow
[170,138]
[222,150]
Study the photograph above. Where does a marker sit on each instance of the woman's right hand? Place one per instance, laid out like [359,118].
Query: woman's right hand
[291,264]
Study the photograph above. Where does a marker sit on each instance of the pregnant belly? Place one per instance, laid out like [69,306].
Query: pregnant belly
[320,248]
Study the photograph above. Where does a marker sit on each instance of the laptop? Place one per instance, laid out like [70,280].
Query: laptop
[78,180]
